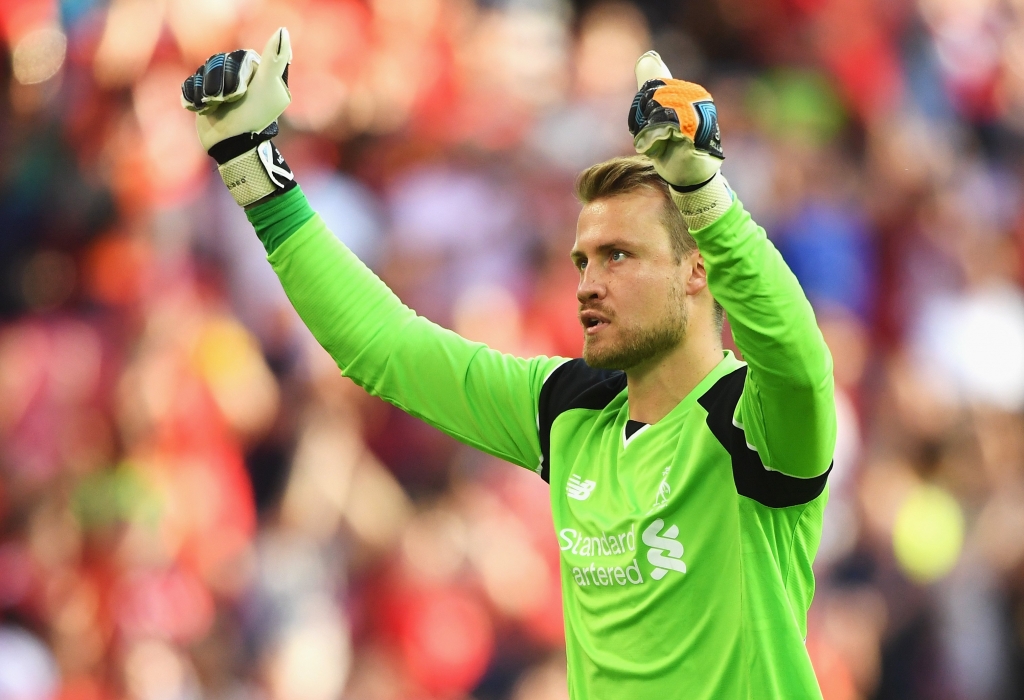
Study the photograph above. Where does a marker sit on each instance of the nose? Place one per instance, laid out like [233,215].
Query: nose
[591,287]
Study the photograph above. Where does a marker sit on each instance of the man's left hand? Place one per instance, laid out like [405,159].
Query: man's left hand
[675,123]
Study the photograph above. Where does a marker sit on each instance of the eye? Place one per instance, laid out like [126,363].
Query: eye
[581,264]
[617,256]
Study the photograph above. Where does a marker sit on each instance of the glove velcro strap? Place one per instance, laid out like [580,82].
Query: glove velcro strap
[232,147]
[704,206]
[256,174]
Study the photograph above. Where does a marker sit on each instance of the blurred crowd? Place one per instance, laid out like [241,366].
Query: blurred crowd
[195,505]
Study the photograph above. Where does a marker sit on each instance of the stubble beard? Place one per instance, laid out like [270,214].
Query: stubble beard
[638,344]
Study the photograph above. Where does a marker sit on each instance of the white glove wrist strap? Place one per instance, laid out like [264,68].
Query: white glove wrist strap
[255,174]
[705,206]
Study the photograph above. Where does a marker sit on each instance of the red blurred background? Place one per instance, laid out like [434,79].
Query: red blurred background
[194,504]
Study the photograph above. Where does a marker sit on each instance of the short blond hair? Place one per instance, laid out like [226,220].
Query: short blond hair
[630,173]
[625,174]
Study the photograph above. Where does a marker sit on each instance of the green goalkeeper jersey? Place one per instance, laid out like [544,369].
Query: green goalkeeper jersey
[686,545]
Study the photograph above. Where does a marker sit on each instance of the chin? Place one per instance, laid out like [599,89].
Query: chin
[597,362]
[606,358]
[634,349]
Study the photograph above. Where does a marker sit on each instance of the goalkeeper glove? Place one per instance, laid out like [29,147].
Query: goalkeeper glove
[238,98]
[675,124]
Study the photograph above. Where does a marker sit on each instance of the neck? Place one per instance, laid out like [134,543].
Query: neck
[658,385]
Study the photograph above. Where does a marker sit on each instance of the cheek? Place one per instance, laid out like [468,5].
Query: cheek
[659,290]
[648,297]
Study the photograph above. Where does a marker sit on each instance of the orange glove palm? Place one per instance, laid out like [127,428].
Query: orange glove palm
[675,123]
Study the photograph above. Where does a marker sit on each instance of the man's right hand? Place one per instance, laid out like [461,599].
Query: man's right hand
[238,98]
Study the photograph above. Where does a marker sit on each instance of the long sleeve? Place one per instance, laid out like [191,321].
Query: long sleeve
[787,408]
[473,393]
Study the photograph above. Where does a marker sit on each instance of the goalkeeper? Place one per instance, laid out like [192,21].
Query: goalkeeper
[687,487]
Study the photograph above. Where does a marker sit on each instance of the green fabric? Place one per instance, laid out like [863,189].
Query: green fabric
[279,217]
[473,393]
[789,386]
[732,625]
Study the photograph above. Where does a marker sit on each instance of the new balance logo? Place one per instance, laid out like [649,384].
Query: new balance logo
[578,489]
[665,552]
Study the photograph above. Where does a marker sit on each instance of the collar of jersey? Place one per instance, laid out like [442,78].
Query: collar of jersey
[728,364]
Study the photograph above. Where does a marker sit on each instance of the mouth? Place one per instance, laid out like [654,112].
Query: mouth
[593,322]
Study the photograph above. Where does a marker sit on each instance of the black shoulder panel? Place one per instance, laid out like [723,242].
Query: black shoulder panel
[769,488]
[573,385]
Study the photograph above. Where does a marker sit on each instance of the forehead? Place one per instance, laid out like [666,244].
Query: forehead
[634,217]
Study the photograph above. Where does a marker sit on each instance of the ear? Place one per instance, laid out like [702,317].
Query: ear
[698,279]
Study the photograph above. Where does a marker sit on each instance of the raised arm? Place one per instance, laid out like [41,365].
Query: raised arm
[787,408]
[477,395]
